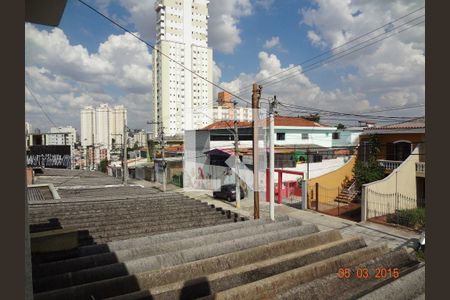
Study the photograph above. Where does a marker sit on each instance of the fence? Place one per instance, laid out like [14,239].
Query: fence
[322,199]
[395,208]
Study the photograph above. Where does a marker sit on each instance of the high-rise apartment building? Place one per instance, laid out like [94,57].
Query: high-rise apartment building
[182,100]
[87,126]
[103,127]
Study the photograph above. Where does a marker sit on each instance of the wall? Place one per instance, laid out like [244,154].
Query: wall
[414,138]
[293,136]
[332,182]
[402,181]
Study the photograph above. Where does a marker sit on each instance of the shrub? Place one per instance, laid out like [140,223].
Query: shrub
[414,218]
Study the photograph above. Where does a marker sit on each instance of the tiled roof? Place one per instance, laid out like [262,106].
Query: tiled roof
[296,122]
[418,123]
[227,124]
[279,121]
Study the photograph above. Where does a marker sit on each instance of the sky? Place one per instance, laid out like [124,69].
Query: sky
[86,60]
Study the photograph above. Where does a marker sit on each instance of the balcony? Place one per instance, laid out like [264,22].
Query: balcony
[389,165]
[420,169]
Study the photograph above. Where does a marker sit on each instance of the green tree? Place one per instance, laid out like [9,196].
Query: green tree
[103,165]
[312,117]
[369,170]
[340,126]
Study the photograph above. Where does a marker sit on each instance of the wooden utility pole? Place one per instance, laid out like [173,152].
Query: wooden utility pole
[237,160]
[256,95]
[125,158]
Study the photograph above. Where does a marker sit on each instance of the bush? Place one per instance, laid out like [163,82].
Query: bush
[413,218]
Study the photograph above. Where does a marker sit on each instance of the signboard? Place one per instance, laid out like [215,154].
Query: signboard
[54,156]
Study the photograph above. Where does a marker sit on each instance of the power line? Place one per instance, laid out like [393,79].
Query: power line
[320,63]
[34,97]
[340,46]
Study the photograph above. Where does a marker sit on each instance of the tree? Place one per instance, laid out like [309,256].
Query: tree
[369,170]
[340,126]
[136,146]
[312,117]
[103,165]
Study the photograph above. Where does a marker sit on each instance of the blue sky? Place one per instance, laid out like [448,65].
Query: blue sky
[251,39]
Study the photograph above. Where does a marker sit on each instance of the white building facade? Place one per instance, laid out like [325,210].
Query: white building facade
[103,128]
[223,113]
[182,100]
[61,136]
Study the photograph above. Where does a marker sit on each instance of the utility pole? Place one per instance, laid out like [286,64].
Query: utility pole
[164,165]
[272,158]
[237,160]
[307,173]
[93,153]
[124,158]
[256,95]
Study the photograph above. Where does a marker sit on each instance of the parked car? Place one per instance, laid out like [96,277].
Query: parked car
[228,192]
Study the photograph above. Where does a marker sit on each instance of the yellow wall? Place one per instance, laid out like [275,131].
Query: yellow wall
[331,183]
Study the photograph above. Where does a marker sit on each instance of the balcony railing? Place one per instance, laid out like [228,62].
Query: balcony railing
[390,164]
[420,168]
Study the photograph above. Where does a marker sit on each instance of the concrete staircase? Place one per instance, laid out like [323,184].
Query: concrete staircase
[348,193]
[257,259]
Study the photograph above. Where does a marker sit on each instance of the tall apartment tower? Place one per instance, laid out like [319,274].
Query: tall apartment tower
[100,125]
[87,126]
[181,100]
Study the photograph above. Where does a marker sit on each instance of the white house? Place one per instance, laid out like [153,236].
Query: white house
[347,137]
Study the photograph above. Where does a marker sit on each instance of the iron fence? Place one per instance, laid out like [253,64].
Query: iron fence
[396,208]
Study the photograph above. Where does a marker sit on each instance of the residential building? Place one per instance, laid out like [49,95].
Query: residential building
[347,137]
[61,136]
[87,126]
[402,155]
[224,99]
[140,137]
[182,100]
[225,113]
[290,132]
[28,128]
[102,128]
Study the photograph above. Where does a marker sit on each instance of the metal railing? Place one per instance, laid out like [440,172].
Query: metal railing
[389,164]
[395,208]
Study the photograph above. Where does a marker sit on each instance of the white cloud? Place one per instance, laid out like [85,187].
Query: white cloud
[297,90]
[65,77]
[273,42]
[266,4]
[391,68]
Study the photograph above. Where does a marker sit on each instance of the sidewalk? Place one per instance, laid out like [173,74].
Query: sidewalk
[373,233]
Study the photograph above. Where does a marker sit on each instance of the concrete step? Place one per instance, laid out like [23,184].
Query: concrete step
[123,204]
[168,259]
[124,216]
[153,239]
[326,287]
[122,234]
[85,262]
[187,271]
[99,243]
[120,221]
[268,288]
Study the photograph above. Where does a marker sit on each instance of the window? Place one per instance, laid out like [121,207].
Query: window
[305,136]
[281,136]
[336,135]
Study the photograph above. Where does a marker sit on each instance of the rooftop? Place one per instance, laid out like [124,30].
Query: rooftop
[281,121]
[414,124]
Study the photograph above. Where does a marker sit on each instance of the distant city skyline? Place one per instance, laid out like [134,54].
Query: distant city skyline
[88,61]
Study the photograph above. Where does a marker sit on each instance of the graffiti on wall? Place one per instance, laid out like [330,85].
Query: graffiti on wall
[49,156]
